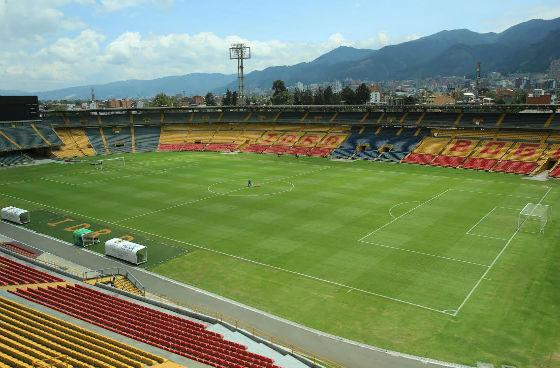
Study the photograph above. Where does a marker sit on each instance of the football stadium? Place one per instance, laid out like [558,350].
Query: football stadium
[280,236]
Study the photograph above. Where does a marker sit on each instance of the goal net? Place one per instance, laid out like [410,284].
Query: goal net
[110,163]
[533,218]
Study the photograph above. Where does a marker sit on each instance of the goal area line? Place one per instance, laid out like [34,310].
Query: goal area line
[449,312]
[507,241]
[243,259]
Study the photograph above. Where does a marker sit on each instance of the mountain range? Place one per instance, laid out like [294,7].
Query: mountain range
[526,47]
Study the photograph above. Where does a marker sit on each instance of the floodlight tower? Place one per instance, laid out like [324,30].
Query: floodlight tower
[240,52]
[477,92]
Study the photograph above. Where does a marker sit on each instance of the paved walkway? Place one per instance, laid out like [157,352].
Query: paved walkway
[348,353]
[78,322]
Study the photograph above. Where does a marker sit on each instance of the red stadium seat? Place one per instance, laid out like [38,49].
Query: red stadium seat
[419,158]
[172,333]
[448,161]
[479,163]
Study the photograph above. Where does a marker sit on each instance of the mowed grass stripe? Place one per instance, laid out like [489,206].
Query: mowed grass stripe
[313,231]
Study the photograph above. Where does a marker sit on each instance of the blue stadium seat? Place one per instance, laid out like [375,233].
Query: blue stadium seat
[24,136]
[118,139]
[95,140]
[13,158]
[49,134]
[146,138]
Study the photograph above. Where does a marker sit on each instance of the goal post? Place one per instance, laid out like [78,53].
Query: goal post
[534,217]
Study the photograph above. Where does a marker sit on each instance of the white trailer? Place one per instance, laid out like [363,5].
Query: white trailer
[15,215]
[127,251]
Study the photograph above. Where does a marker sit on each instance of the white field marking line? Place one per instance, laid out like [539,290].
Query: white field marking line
[213,196]
[237,257]
[493,194]
[260,312]
[397,205]
[404,214]
[425,254]
[138,174]
[130,165]
[487,236]
[479,221]
[60,182]
[177,205]
[250,195]
[511,209]
[17,182]
[494,262]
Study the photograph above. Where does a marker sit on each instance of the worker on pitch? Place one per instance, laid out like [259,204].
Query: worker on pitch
[249,183]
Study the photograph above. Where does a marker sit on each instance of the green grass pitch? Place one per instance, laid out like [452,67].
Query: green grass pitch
[422,260]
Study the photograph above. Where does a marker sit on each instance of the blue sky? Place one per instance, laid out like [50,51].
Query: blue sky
[59,43]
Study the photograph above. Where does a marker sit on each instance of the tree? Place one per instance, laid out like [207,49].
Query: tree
[362,94]
[283,98]
[162,100]
[234,98]
[298,94]
[226,101]
[278,86]
[307,97]
[319,96]
[328,96]
[210,99]
[348,96]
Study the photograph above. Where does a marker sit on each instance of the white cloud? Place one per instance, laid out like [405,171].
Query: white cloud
[513,16]
[118,5]
[48,49]
[89,58]
[24,23]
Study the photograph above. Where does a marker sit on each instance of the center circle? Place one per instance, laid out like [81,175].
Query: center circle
[257,188]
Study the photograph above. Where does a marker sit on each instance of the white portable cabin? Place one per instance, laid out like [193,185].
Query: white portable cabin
[127,251]
[16,215]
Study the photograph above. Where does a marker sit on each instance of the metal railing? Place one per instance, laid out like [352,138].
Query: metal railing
[311,356]
[114,271]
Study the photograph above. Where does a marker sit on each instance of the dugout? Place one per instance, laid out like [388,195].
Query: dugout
[15,215]
[84,238]
[126,251]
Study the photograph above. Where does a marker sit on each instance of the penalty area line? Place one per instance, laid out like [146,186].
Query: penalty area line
[315,278]
[404,214]
[483,277]
[425,254]
[479,221]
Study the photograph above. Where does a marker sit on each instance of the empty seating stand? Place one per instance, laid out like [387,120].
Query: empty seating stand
[29,338]
[96,140]
[525,120]
[16,273]
[220,147]
[49,134]
[448,161]
[146,138]
[24,136]
[169,332]
[119,139]
[13,158]
[6,145]
[419,158]
[20,249]
[516,167]
[479,163]
[555,172]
